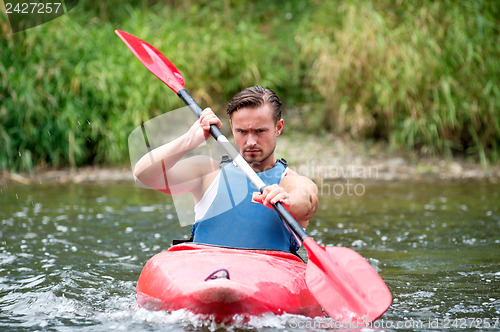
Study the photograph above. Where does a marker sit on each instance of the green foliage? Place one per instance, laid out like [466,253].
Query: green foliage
[420,75]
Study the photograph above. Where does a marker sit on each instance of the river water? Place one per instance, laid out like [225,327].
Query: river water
[70,255]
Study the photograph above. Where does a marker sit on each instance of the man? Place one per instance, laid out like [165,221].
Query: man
[227,212]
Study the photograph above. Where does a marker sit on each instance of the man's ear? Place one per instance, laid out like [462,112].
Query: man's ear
[279,127]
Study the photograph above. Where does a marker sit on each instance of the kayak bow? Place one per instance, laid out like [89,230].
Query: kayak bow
[221,283]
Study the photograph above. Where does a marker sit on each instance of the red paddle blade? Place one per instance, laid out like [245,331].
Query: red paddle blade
[156,62]
[345,284]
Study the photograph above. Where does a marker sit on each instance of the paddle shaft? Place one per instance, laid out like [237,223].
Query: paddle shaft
[243,165]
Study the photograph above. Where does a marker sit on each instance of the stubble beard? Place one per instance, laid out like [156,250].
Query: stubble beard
[255,162]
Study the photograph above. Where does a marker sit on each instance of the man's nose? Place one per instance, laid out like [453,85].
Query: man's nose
[251,139]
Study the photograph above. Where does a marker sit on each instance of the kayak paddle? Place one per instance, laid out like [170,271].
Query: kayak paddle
[341,280]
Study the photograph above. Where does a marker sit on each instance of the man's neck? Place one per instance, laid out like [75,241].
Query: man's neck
[264,165]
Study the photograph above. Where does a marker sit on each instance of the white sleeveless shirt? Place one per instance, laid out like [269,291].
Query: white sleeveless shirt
[201,208]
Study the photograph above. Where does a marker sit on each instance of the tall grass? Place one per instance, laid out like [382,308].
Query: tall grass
[421,76]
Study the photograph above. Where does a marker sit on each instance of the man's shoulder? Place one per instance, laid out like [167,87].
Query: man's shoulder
[292,176]
[201,166]
[204,170]
[291,172]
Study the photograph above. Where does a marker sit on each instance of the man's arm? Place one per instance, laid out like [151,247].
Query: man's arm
[297,193]
[177,176]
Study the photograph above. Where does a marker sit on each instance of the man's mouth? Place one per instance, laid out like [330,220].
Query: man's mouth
[252,150]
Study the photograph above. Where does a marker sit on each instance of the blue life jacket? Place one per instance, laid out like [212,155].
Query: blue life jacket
[233,220]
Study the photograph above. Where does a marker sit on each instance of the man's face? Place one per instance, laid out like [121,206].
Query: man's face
[255,134]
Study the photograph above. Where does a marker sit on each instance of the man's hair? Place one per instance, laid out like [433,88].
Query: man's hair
[256,96]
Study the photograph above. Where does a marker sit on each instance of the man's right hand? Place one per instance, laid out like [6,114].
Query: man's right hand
[200,130]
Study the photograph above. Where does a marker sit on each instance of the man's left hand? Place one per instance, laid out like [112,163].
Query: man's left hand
[271,195]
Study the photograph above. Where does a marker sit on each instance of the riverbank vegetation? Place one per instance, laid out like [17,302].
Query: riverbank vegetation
[421,76]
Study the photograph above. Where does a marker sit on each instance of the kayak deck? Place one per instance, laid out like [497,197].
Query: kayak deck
[220,282]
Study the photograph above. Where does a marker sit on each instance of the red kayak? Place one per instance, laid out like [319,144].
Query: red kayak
[219,283]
